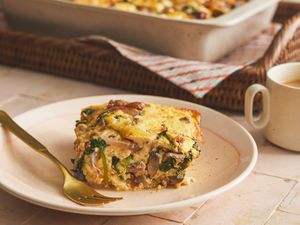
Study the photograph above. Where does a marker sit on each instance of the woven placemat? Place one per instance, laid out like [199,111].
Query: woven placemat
[103,65]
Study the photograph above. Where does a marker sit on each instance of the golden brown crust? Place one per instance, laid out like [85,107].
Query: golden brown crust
[178,9]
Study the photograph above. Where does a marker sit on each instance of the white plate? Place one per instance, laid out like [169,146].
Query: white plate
[229,155]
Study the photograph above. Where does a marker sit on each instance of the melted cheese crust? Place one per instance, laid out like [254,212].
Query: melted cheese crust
[179,9]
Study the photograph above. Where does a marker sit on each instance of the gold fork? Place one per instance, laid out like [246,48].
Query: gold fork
[77,191]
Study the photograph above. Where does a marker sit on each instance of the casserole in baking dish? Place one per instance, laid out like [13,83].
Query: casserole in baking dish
[178,9]
[205,40]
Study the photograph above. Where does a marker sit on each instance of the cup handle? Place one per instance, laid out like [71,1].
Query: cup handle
[264,117]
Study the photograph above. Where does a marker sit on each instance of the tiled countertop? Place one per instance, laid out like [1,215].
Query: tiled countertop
[270,195]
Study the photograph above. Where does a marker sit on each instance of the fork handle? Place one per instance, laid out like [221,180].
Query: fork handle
[8,122]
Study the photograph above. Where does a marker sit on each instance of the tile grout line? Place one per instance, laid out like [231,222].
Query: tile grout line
[277,208]
[275,176]
[179,223]
[32,216]
[109,218]
[291,213]
[174,221]
[14,97]
[9,99]
[189,217]
[35,97]
[164,218]
[107,221]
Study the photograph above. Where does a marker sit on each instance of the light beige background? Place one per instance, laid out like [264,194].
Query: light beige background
[270,195]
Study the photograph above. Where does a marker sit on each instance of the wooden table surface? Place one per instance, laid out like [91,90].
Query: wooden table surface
[270,195]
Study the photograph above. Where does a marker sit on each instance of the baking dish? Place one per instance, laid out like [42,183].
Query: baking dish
[205,40]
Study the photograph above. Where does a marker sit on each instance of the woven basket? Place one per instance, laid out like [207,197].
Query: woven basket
[101,64]
[286,10]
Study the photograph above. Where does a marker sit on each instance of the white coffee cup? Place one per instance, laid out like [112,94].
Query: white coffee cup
[280,117]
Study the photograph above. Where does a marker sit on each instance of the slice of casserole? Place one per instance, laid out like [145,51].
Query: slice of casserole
[130,146]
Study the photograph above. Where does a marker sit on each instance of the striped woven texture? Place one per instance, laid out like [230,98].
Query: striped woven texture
[196,77]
